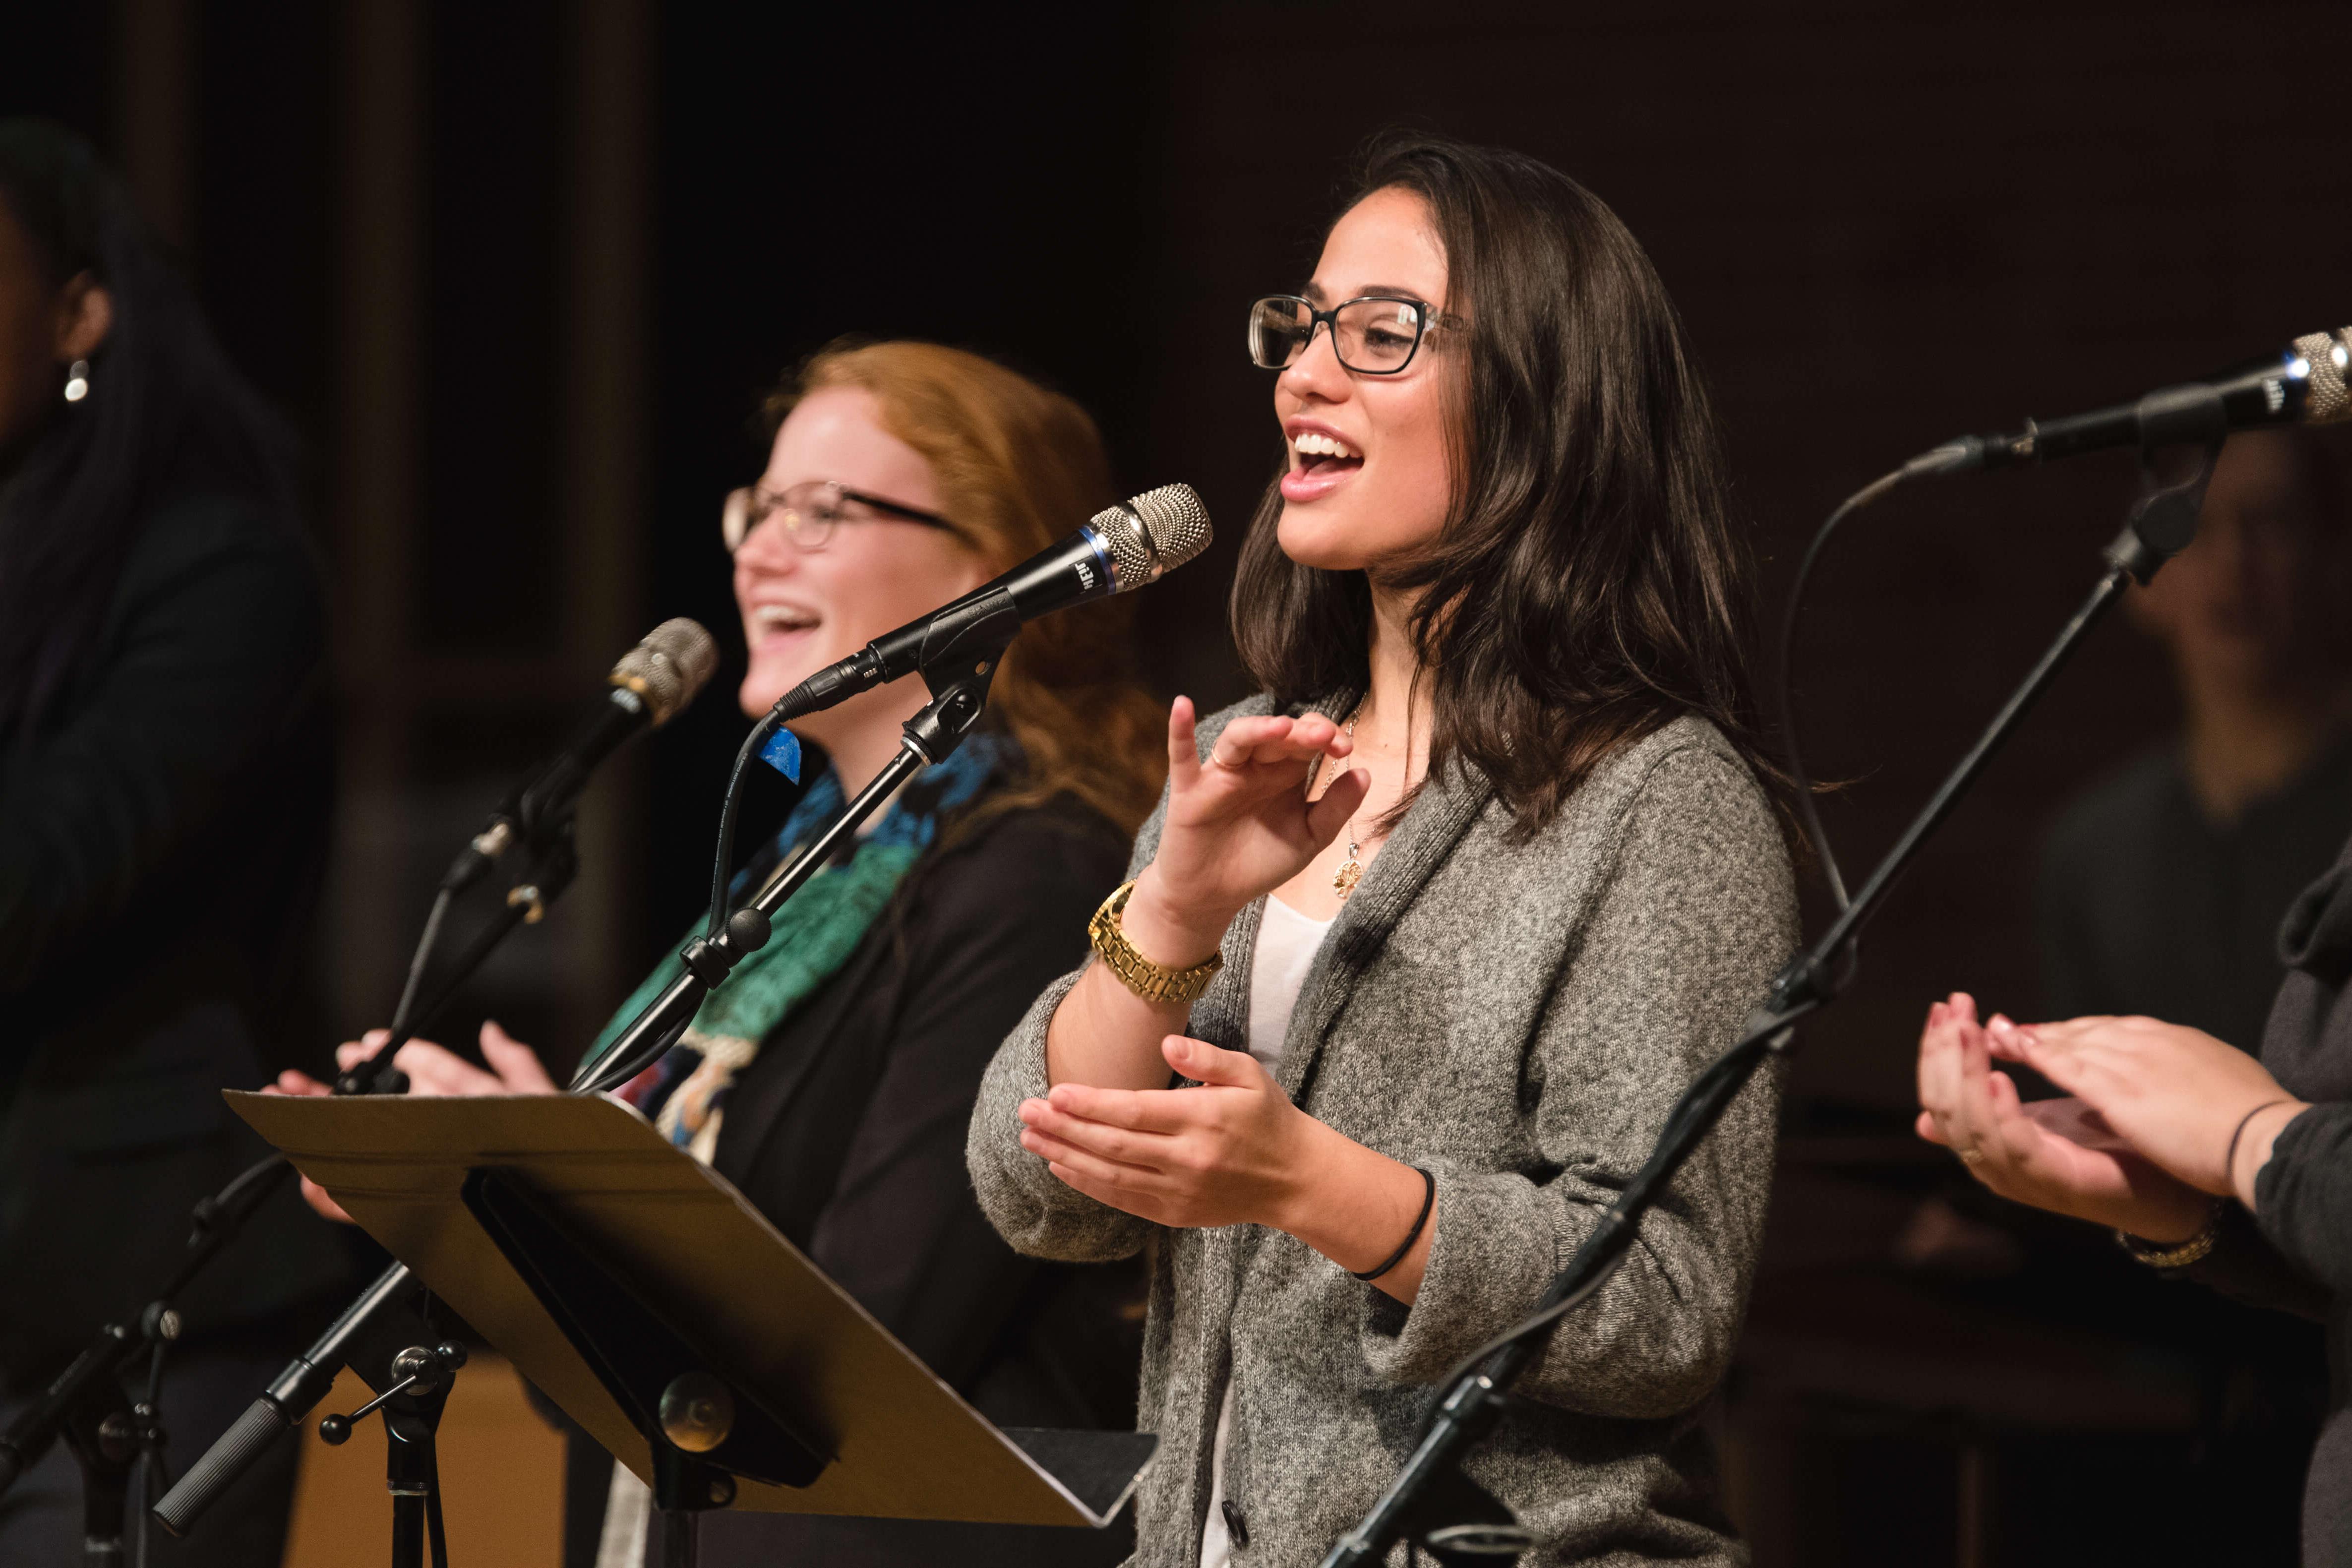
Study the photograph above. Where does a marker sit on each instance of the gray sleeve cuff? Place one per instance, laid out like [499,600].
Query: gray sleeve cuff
[1035,1212]
[1500,1239]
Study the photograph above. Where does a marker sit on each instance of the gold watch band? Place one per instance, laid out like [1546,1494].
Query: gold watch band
[1152,981]
[2180,1255]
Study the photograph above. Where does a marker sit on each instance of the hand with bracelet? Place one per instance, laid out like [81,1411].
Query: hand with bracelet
[1240,824]
[2194,1105]
[2159,1120]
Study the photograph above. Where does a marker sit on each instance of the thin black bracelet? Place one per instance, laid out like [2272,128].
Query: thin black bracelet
[1428,1201]
[2230,1160]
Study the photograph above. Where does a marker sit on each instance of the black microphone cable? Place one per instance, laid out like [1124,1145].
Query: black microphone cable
[1950,458]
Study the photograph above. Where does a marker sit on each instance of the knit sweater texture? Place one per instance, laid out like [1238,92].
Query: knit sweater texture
[1517,1016]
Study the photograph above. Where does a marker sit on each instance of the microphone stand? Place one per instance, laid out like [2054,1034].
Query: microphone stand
[958,676]
[1430,1501]
[384,1308]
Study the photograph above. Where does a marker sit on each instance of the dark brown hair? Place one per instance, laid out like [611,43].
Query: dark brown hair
[1018,466]
[1587,587]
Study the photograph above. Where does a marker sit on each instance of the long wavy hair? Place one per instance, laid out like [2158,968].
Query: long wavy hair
[1018,466]
[166,411]
[1587,587]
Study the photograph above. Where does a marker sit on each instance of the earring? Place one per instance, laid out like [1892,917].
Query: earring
[78,381]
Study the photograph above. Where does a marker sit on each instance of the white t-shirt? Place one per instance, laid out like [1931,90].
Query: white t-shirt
[1286,944]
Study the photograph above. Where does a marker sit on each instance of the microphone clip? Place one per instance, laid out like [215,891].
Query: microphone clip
[959,673]
[2163,520]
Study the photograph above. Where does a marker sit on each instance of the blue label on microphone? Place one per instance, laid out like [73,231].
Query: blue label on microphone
[782,752]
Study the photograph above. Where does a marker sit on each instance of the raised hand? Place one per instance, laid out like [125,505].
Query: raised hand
[2200,1107]
[1238,825]
[2056,1155]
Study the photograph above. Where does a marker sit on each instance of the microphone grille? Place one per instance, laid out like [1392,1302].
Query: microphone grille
[2325,399]
[1154,532]
[670,668]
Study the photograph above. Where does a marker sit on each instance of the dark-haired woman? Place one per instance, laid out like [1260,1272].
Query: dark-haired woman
[1490,877]
[164,790]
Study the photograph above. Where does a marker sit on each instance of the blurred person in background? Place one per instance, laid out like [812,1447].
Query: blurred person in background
[2182,889]
[2161,890]
[831,1079]
[164,783]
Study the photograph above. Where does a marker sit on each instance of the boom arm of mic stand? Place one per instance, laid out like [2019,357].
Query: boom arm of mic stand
[307,1377]
[217,1219]
[282,1405]
[960,688]
[1473,1398]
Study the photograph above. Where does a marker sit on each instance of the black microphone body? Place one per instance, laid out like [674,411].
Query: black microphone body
[1122,548]
[655,680]
[291,1396]
[527,812]
[2304,384]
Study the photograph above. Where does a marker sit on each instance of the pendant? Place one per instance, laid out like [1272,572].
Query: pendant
[1350,872]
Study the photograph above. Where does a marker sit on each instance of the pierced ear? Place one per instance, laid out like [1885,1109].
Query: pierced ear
[85,317]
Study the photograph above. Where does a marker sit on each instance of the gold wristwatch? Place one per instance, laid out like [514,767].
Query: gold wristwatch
[2179,1255]
[1152,981]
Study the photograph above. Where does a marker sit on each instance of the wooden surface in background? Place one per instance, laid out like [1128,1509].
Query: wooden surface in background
[501,1480]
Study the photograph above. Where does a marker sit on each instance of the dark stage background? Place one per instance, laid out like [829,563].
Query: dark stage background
[521,272]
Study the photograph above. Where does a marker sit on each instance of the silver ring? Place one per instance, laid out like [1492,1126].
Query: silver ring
[1970,1156]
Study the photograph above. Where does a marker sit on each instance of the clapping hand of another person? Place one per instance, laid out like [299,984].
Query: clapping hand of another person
[433,1070]
[2200,1107]
[2055,1154]
[2158,1118]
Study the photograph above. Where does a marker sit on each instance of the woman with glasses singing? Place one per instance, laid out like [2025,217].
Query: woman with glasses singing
[1423,941]
[832,1078]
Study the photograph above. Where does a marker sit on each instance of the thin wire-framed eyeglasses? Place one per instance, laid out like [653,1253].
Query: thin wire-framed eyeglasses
[1374,334]
[811,511]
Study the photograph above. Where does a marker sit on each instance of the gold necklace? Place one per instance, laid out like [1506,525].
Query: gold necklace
[1351,870]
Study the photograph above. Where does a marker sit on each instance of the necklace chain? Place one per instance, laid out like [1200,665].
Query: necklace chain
[1351,870]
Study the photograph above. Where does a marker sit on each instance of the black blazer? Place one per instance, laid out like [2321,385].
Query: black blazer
[848,1131]
[161,837]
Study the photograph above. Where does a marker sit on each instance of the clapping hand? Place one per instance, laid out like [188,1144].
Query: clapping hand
[2200,1107]
[2061,1155]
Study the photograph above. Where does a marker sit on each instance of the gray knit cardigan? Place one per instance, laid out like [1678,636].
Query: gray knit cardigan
[1515,1017]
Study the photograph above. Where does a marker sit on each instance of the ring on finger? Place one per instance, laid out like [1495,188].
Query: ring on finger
[1971,1155]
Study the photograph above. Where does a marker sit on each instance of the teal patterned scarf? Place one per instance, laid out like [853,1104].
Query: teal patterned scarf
[815,935]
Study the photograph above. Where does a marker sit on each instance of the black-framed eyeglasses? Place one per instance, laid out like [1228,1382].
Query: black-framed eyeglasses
[1376,334]
[811,511]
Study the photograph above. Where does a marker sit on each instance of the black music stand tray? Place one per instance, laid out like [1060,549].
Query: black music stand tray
[644,1296]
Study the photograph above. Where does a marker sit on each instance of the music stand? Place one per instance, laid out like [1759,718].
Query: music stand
[644,1295]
